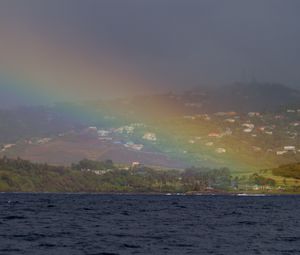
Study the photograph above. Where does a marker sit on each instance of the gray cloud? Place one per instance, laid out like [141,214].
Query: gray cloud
[180,42]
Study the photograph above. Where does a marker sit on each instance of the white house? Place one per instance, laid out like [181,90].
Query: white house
[279,153]
[289,148]
[103,132]
[230,120]
[248,125]
[253,114]
[7,146]
[150,136]
[220,150]
[248,130]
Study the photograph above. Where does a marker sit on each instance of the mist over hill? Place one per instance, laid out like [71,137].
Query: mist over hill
[241,126]
[263,97]
[251,96]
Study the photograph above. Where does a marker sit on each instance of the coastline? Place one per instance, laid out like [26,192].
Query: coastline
[239,194]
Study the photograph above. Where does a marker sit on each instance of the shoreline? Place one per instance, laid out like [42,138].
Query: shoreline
[238,194]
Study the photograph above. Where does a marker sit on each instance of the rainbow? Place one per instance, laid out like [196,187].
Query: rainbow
[197,154]
[39,68]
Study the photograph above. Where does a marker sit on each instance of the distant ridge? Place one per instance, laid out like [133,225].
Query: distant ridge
[254,96]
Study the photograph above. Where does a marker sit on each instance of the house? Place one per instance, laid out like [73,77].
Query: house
[137,147]
[92,129]
[295,124]
[279,117]
[279,153]
[135,164]
[220,113]
[150,136]
[253,114]
[203,116]
[262,128]
[209,144]
[134,146]
[7,146]
[125,130]
[230,120]
[220,150]
[231,113]
[248,130]
[189,117]
[256,187]
[289,148]
[106,138]
[100,172]
[95,171]
[248,125]
[290,111]
[44,140]
[256,148]
[215,134]
[103,133]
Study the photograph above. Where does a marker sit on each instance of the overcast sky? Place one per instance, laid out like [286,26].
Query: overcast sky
[151,44]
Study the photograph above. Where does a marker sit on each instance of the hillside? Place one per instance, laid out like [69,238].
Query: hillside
[288,171]
[245,127]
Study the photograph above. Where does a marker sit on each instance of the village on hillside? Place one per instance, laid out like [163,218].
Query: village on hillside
[260,140]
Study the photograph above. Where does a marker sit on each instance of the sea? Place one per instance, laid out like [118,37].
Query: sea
[99,224]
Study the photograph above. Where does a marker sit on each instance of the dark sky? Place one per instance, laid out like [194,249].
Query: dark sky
[153,44]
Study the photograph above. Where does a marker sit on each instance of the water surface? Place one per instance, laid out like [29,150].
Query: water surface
[148,224]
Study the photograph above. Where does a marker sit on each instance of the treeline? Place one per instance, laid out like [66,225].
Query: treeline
[260,180]
[18,175]
[199,178]
[94,165]
[26,165]
[25,176]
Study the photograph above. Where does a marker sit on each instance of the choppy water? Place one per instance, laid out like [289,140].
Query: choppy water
[144,224]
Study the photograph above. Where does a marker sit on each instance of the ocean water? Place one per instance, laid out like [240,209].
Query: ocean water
[148,224]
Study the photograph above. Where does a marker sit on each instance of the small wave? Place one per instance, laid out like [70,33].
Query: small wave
[14,217]
[251,195]
[132,246]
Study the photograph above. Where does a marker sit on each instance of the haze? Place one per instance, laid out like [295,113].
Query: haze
[72,49]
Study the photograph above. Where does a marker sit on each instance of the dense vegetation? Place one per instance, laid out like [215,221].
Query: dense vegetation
[18,175]
[95,165]
[22,175]
[259,180]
